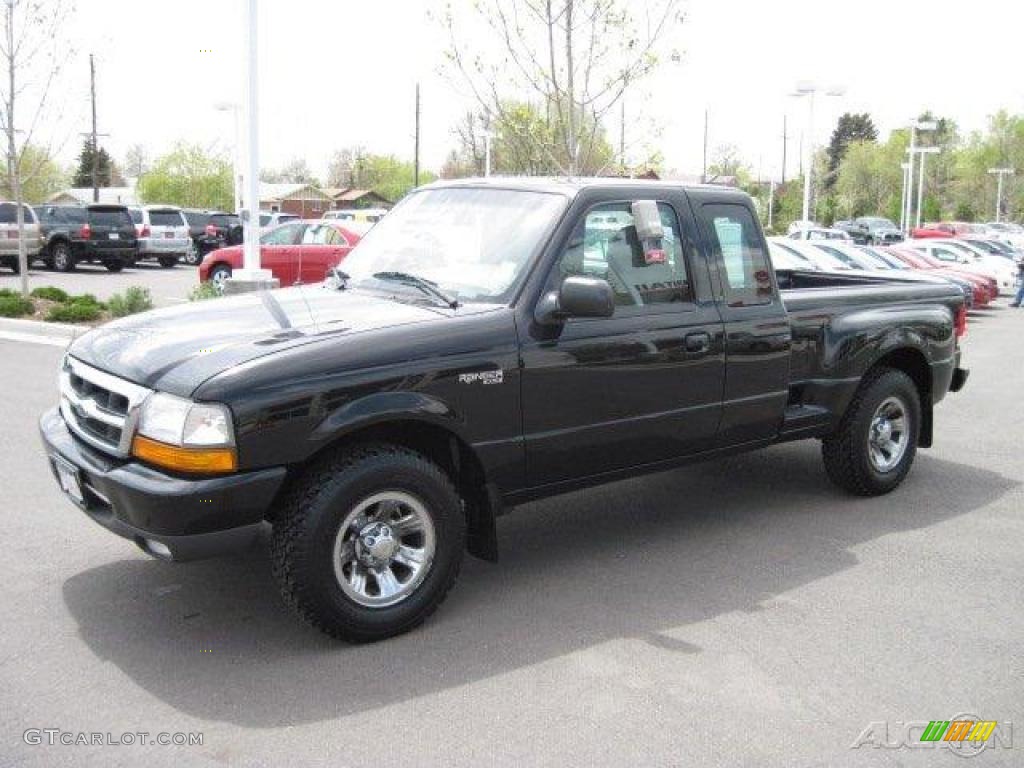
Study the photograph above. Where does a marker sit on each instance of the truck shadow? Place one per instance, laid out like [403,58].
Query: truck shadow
[638,559]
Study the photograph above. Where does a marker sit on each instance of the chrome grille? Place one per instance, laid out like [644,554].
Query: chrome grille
[99,408]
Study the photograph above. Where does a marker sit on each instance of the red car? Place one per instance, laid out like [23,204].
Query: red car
[984,288]
[294,252]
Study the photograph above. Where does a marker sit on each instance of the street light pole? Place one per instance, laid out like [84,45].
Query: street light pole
[915,126]
[999,173]
[486,136]
[903,198]
[809,89]
[923,152]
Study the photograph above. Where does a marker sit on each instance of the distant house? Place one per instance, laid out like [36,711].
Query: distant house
[108,195]
[303,200]
[350,197]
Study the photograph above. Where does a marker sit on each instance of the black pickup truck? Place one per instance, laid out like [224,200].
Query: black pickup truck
[488,343]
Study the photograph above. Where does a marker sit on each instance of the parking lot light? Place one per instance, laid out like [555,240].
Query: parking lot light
[915,126]
[999,173]
[236,171]
[810,89]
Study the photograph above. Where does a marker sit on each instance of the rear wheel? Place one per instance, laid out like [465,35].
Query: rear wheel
[167,262]
[113,266]
[60,256]
[219,276]
[368,542]
[13,265]
[192,254]
[874,447]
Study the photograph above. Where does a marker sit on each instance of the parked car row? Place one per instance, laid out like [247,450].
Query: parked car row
[904,261]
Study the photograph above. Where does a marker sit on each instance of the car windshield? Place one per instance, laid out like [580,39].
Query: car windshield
[474,244]
[878,223]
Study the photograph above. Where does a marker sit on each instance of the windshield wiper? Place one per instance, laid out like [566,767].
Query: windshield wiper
[427,286]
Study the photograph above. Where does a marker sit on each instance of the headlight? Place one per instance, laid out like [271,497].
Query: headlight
[185,436]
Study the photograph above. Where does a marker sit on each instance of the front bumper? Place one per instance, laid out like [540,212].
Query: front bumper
[192,518]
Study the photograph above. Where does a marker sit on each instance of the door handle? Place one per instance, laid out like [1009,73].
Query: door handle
[698,342]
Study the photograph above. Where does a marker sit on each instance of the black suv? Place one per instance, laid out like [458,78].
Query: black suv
[72,234]
[211,230]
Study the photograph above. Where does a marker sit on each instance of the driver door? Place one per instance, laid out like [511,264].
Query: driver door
[639,387]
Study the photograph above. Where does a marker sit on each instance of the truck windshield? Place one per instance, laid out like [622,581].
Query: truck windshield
[473,244]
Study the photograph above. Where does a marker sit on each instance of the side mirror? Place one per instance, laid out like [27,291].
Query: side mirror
[576,297]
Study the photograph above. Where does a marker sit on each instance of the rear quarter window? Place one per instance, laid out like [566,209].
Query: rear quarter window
[736,240]
[9,214]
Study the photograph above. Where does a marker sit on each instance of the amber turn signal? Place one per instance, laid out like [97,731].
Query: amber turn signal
[198,460]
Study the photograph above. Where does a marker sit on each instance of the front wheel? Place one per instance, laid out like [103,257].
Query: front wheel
[874,447]
[167,262]
[368,542]
[113,266]
[219,276]
[13,265]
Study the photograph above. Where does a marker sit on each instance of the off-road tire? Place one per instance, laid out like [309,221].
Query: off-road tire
[845,452]
[313,509]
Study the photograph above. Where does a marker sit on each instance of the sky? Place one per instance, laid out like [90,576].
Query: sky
[342,73]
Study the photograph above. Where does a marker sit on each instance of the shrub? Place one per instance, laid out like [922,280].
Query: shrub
[203,291]
[8,292]
[50,292]
[133,300]
[86,298]
[15,305]
[73,312]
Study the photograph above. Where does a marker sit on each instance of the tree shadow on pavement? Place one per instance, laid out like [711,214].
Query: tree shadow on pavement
[633,559]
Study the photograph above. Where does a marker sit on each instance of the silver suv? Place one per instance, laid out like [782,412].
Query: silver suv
[163,233]
[9,235]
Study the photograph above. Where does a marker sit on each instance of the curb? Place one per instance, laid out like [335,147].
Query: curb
[35,331]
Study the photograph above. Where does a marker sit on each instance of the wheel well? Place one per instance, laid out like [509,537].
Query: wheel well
[459,462]
[54,241]
[913,363]
[220,264]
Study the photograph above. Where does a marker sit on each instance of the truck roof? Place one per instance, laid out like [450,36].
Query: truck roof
[571,186]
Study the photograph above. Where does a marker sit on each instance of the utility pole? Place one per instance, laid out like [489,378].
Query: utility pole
[95,140]
[704,170]
[416,150]
[622,136]
[785,142]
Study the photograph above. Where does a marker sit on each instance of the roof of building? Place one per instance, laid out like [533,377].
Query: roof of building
[109,195]
[289,191]
[342,194]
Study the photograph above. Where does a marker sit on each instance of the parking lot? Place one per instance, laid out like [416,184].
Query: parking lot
[742,612]
[166,286]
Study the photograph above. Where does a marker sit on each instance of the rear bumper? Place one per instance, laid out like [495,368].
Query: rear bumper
[154,246]
[192,518]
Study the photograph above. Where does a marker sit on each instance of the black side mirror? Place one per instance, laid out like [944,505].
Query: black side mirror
[576,297]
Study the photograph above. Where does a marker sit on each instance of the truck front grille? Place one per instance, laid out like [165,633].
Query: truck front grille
[99,408]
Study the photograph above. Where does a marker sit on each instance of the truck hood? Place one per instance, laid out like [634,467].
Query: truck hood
[177,349]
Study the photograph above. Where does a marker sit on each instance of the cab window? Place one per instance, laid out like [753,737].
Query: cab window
[604,244]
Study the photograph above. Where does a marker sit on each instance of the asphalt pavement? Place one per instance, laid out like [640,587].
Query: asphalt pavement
[738,613]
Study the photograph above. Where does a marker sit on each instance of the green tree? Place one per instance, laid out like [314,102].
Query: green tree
[386,175]
[189,177]
[107,173]
[850,128]
[46,180]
